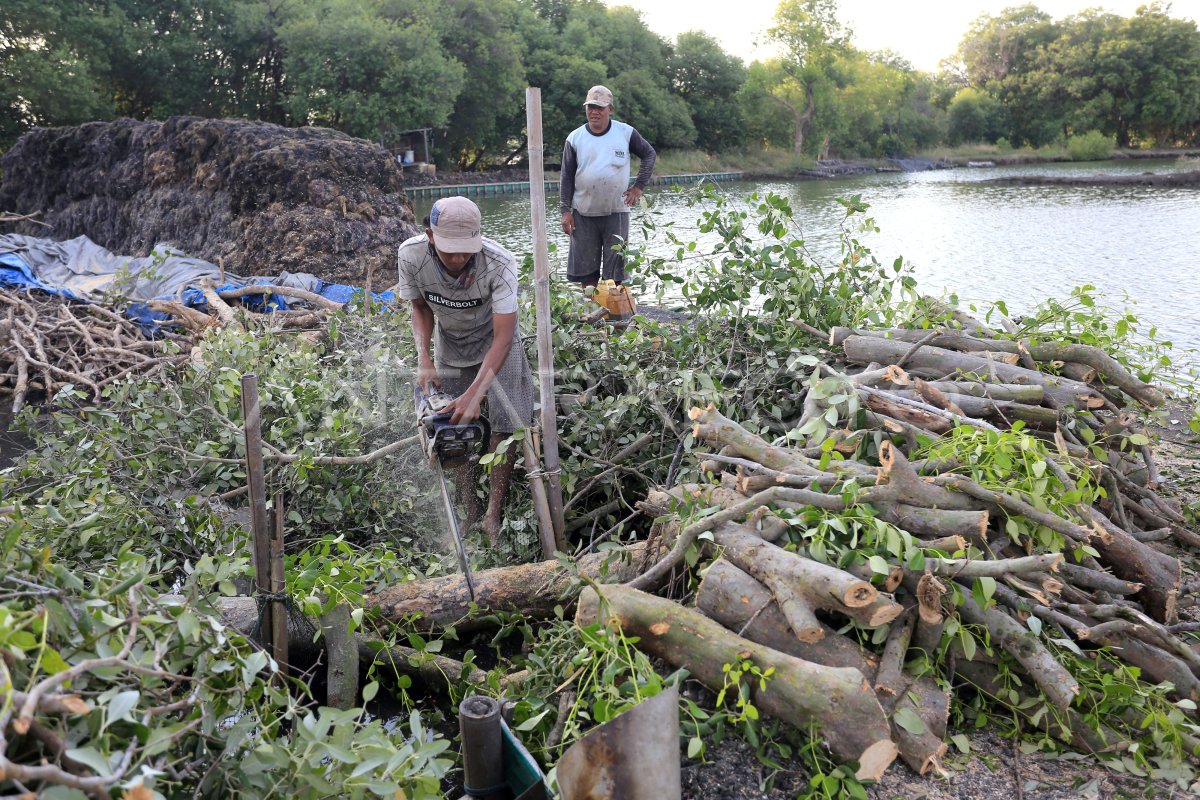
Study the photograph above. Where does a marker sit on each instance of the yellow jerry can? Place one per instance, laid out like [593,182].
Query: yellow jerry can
[616,299]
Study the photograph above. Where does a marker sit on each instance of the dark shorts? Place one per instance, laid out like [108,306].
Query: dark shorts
[592,256]
[510,397]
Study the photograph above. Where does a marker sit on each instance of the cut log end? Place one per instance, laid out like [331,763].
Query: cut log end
[885,611]
[896,577]
[897,375]
[875,760]
[933,763]
[809,635]
[887,460]
[860,595]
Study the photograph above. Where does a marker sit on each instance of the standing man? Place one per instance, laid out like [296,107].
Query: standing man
[594,191]
[465,286]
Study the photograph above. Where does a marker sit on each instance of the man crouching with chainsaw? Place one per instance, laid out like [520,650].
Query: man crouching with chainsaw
[468,285]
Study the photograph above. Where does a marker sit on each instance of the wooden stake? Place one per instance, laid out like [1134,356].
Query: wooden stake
[541,271]
[279,627]
[256,478]
[541,505]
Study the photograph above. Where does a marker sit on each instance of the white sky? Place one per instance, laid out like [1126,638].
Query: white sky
[924,33]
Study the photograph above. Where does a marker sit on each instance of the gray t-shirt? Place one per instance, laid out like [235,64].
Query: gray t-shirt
[462,306]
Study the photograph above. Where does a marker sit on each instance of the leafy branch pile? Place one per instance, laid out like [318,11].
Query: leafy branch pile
[109,685]
[48,343]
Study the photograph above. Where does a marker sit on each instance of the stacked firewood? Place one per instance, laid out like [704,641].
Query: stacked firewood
[1113,583]
[1111,579]
[48,342]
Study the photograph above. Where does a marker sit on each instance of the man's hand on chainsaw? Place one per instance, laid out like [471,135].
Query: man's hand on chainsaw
[464,408]
[427,376]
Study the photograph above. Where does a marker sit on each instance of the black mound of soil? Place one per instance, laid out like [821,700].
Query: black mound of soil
[262,198]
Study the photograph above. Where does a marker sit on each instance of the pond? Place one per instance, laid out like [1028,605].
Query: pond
[1139,245]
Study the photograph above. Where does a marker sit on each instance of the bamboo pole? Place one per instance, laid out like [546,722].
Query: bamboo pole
[541,504]
[541,271]
[256,478]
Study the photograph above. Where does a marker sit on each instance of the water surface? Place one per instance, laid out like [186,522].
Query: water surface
[982,241]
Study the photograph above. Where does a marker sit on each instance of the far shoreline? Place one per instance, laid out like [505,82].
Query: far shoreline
[823,169]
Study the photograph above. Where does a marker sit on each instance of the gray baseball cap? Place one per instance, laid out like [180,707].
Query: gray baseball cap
[456,225]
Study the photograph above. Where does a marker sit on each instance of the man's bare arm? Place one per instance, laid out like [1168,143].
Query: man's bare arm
[422,325]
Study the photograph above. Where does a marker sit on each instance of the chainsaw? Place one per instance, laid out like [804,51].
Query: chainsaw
[448,445]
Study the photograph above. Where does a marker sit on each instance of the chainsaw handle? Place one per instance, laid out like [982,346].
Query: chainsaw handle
[487,432]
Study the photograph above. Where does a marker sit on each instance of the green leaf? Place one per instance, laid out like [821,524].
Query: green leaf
[961,742]
[968,643]
[369,691]
[988,587]
[90,758]
[1139,440]
[695,747]
[23,639]
[188,627]
[52,662]
[120,706]
[532,722]
[909,720]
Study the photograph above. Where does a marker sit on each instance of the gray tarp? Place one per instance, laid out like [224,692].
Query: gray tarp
[85,269]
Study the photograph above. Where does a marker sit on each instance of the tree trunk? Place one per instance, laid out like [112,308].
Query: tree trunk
[1138,562]
[1059,391]
[1059,686]
[986,408]
[341,689]
[529,589]
[804,119]
[936,522]
[840,701]
[1093,357]
[739,602]
[801,586]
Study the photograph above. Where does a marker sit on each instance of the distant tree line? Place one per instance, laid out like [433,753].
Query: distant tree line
[373,68]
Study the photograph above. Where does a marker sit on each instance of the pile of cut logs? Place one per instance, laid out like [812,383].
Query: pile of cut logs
[764,596]
[48,342]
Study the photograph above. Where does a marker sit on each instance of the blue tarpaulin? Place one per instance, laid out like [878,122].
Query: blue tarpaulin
[83,270]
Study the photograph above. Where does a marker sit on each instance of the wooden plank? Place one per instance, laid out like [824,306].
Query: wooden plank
[256,478]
